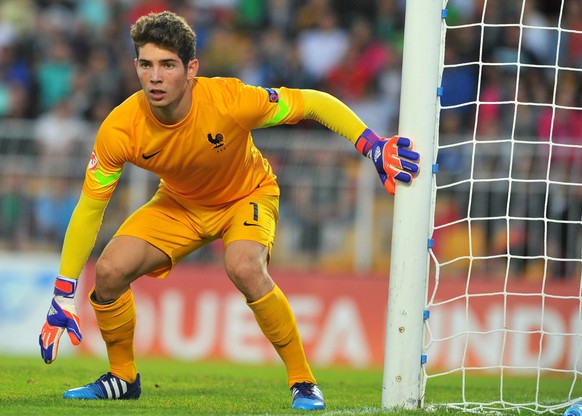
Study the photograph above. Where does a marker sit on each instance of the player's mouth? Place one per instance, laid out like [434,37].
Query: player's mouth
[156,94]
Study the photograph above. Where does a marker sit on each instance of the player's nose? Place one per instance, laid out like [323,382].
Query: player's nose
[155,75]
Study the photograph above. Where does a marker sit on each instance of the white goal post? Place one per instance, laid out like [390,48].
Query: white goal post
[486,260]
[401,385]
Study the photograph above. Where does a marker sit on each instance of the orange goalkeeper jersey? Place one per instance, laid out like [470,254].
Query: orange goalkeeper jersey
[208,158]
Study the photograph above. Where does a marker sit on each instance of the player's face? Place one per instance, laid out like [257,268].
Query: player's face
[166,82]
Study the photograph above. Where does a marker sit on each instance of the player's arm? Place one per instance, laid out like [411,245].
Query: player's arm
[79,240]
[392,157]
[112,149]
[81,235]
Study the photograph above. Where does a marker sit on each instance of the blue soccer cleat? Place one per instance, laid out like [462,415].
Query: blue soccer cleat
[107,387]
[307,396]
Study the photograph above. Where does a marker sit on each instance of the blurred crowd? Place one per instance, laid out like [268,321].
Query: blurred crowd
[74,58]
[67,63]
[67,60]
[515,85]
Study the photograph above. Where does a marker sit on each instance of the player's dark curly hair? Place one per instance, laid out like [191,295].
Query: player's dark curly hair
[166,30]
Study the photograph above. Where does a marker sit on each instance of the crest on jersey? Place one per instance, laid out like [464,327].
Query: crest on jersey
[217,141]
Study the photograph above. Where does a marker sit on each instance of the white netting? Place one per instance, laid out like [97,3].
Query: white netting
[504,292]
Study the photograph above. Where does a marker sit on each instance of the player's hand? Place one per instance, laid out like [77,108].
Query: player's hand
[393,158]
[61,315]
[395,161]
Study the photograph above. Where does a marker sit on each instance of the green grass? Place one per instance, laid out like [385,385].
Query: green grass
[30,387]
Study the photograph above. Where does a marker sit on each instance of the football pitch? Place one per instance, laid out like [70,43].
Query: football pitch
[169,387]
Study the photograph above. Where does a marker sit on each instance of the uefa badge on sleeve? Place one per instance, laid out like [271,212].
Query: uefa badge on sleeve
[93,162]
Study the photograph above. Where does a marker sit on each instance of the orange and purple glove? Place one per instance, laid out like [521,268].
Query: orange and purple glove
[393,158]
[61,315]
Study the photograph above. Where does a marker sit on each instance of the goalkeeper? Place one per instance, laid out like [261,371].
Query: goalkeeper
[194,133]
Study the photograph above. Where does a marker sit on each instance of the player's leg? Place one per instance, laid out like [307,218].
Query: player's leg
[125,259]
[248,242]
[248,238]
[246,266]
[148,243]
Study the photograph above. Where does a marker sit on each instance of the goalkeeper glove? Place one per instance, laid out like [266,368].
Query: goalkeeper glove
[61,315]
[393,158]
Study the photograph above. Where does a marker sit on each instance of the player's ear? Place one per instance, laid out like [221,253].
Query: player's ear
[192,69]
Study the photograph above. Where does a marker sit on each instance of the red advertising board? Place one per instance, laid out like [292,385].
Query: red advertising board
[196,313]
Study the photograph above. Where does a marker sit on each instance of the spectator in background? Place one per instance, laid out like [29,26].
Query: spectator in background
[274,53]
[280,14]
[16,79]
[540,43]
[561,128]
[57,132]
[571,52]
[389,22]
[14,101]
[508,50]
[532,91]
[323,47]
[308,14]
[459,83]
[56,74]
[562,125]
[135,9]
[294,72]
[222,38]
[251,69]
[104,80]
[95,15]
[356,76]
[490,110]
[127,82]
[15,209]
[317,207]
[252,14]
[16,82]
[53,208]
[366,78]
[14,68]
[20,15]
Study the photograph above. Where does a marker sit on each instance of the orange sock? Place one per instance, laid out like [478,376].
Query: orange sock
[117,324]
[275,318]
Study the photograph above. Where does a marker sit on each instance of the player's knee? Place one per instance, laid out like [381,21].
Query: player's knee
[244,270]
[110,279]
[251,278]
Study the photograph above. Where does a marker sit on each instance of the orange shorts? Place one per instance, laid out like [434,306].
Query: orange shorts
[179,231]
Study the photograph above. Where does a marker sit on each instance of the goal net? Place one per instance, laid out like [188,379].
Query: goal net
[504,290]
